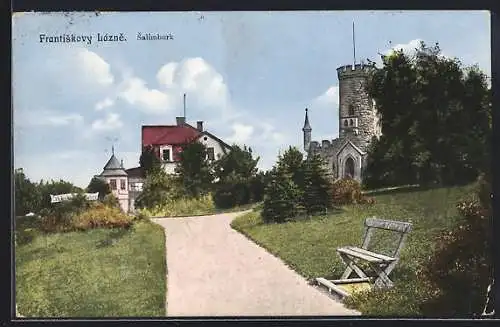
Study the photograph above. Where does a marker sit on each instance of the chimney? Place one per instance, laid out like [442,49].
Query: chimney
[121,163]
[180,120]
[199,125]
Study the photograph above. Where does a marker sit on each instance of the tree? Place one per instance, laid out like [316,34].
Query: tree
[292,164]
[158,189]
[149,161]
[282,200]
[54,188]
[194,169]
[27,195]
[236,178]
[317,196]
[435,119]
[97,185]
[239,161]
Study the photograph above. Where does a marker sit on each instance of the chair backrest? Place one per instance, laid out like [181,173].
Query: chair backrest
[402,228]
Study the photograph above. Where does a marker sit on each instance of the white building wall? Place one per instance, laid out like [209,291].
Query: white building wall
[121,195]
[210,142]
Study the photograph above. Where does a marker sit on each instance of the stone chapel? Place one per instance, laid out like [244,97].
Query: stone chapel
[346,155]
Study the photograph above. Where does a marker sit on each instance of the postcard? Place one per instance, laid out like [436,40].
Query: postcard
[252,164]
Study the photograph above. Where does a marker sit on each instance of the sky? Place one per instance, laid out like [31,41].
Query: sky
[247,75]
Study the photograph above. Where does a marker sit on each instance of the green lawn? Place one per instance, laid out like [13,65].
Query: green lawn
[308,246]
[97,273]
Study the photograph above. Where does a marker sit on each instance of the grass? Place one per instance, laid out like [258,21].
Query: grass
[203,206]
[308,246]
[94,273]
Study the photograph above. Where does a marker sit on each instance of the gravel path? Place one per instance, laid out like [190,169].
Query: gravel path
[215,271]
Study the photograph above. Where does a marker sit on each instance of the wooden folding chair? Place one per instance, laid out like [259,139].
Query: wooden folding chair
[381,264]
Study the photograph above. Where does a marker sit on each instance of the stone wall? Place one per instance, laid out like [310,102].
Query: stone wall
[352,92]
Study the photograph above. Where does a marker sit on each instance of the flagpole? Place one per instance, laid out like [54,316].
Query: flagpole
[353,45]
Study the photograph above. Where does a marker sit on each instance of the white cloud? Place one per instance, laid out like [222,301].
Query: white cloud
[408,48]
[112,121]
[46,118]
[329,97]
[108,102]
[166,73]
[94,68]
[153,101]
[197,78]
[241,133]
[269,134]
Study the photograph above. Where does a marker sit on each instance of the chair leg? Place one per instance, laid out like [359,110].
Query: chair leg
[382,279]
[351,266]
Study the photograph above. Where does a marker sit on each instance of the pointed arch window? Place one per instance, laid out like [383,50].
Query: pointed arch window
[349,168]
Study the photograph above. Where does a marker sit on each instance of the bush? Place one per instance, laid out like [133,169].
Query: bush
[231,194]
[101,216]
[282,199]
[462,261]
[346,191]
[158,189]
[98,185]
[59,216]
[111,200]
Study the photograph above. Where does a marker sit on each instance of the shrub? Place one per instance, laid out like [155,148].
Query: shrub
[231,194]
[111,200]
[97,185]
[346,191]
[101,216]
[462,261]
[282,199]
[158,189]
[59,216]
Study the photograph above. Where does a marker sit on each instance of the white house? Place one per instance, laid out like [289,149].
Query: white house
[167,142]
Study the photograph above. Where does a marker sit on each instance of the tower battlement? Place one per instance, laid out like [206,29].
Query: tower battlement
[357,70]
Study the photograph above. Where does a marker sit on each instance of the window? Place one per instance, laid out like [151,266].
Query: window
[112,184]
[345,123]
[351,122]
[122,184]
[351,110]
[165,155]
[211,153]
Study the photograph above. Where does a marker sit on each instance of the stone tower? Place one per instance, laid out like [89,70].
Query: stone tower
[307,133]
[358,118]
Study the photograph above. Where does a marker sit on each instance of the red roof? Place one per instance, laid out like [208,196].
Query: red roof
[168,134]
